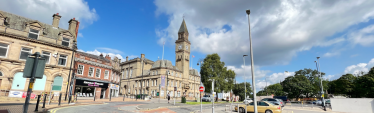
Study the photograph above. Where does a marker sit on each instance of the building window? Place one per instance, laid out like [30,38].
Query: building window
[33,33]
[25,53]
[47,56]
[153,73]
[171,73]
[62,60]
[57,83]
[98,72]
[156,72]
[80,69]
[3,49]
[156,83]
[127,74]
[180,84]
[1,74]
[131,73]
[91,71]
[111,78]
[152,82]
[65,42]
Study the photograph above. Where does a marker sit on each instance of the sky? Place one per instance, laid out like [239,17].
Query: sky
[287,35]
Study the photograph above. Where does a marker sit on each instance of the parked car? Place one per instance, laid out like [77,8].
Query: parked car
[319,102]
[206,98]
[273,100]
[247,101]
[284,98]
[281,101]
[262,107]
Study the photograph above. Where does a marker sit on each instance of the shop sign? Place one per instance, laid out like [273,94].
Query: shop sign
[24,94]
[95,84]
[113,86]
[15,94]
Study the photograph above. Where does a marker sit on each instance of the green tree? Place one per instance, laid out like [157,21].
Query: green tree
[213,68]
[314,78]
[297,86]
[240,90]
[275,89]
[364,85]
[345,85]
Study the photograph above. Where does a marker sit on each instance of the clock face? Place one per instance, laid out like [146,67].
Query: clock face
[186,47]
[180,47]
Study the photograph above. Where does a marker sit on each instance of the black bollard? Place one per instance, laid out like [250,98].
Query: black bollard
[37,103]
[110,95]
[45,98]
[59,99]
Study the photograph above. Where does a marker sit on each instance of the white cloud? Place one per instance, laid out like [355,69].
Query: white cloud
[43,10]
[364,36]
[280,29]
[110,50]
[330,54]
[112,55]
[329,77]
[245,72]
[361,67]
[354,55]
[80,35]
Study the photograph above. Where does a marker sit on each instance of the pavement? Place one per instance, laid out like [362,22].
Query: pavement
[17,106]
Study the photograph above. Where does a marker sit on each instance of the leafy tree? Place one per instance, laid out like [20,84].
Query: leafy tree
[275,89]
[314,78]
[345,84]
[364,85]
[239,90]
[297,86]
[213,68]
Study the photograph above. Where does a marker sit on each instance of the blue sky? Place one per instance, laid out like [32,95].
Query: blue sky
[287,36]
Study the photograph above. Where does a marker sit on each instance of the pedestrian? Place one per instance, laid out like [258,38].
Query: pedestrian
[168,97]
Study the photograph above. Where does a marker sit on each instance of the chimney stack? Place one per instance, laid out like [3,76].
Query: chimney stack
[56,20]
[127,58]
[142,56]
[73,26]
[108,57]
[101,54]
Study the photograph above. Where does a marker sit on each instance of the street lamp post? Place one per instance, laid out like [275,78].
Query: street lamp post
[201,100]
[213,94]
[319,71]
[245,81]
[252,64]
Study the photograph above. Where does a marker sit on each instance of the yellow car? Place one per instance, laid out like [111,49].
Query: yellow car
[262,107]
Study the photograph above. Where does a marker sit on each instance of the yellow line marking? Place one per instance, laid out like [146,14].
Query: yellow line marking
[55,110]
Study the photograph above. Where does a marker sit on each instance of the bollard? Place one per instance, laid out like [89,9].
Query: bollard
[124,97]
[302,104]
[59,99]
[110,95]
[45,97]
[37,103]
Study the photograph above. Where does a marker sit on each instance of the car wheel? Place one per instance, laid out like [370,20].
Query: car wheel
[268,111]
[241,110]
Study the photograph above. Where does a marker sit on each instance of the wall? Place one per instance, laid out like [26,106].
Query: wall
[353,105]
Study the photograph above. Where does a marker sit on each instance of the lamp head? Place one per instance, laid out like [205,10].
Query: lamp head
[245,55]
[197,63]
[318,57]
[315,61]
[248,11]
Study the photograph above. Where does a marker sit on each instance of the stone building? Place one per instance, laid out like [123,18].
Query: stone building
[20,36]
[95,75]
[142,75]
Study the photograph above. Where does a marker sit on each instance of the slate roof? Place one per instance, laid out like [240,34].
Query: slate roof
[19,23]
[183,28]
[93,56]
[194,72]
[164,63]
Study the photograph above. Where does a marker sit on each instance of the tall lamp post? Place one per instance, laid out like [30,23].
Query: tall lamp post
[245,82]
[213,94]
[252,64]
[201,101]
[320,74]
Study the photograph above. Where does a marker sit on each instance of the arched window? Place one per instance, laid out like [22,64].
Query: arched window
[1,74]
[18,81]
[57,83]
[40,83]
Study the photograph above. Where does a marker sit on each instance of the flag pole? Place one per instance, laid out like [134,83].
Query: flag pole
[163,51]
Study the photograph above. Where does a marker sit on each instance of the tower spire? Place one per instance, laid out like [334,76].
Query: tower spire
[183,28]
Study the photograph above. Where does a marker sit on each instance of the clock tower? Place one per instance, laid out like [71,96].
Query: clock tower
[182,50]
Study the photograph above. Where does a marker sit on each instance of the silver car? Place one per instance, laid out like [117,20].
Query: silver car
[274,101]
[206,98]
[247,101]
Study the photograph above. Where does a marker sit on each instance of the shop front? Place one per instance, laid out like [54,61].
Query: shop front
[87,88]
[114,90]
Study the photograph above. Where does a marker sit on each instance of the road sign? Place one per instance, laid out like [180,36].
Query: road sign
[201,88]
[29,66]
